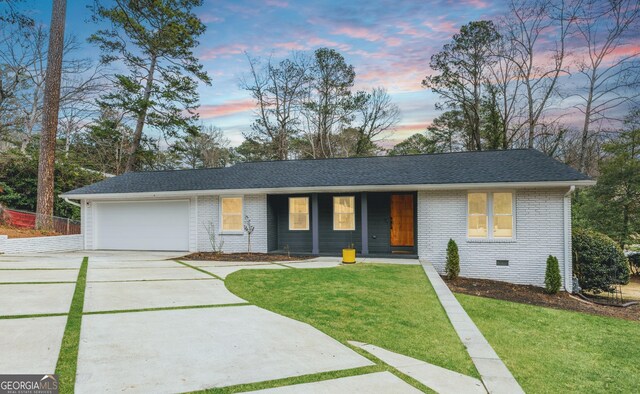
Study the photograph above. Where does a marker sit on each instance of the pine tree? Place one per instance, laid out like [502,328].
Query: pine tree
[552,279]
[453,260]
[154,43]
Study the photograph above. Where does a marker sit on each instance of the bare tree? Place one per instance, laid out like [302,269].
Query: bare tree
[206,149]
[529,26]
[25,55]
[463,67]
[377,115]
[278,90]
[506,83]
[329,105]
[46,162]
[610,69]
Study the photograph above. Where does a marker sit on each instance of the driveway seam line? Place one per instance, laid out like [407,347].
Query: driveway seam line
[68,357]
[33,283]
[38,269]
[145,280]
[294,380]
[198,269]
[5,317]
[168,308]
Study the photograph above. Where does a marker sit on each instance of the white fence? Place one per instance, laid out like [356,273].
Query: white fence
[59,243]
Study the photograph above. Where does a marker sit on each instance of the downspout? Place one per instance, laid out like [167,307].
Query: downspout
[75,204]
[568,268]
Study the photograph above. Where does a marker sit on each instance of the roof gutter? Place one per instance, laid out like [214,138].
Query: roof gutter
[66,199]
[330,189]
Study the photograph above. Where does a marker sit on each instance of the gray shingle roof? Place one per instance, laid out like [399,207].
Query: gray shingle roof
[520,165]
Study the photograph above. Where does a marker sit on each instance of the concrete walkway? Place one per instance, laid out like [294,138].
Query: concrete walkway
[495,375]
[441,380]
[373,383]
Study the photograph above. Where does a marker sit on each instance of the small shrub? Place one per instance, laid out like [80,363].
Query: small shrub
[552,279]
[634,262]
[248,227]
[453,260]
[216,246]
[598,261]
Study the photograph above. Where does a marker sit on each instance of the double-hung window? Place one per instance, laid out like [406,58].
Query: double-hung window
[298,213]
[344,213]
[231,214]
[490,215]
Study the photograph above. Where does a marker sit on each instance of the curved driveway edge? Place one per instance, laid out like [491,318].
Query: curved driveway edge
[495,375]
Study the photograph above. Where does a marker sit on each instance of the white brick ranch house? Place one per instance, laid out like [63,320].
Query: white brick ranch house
[507,210]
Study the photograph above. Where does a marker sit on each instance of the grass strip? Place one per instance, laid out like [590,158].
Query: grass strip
[198,269]
[37,269]
[32,315]
[317,377]
[146,280]
[33,283]
[68,358]
[282,265]
[168,308]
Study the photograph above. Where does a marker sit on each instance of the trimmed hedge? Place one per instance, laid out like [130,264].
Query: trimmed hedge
[598,261]
[453,260]
[552,278]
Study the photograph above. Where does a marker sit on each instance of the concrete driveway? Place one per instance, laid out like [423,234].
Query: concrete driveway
[153,325]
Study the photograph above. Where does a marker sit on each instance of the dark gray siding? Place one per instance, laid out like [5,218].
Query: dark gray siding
[272,225]
[379,230]
[334,241]
[331,241]
[295,241]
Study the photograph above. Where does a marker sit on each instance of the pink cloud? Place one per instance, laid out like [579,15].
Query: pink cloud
[321,42]
[290,46]
[223,50]
[442,25]
[277,3]
[411,128]
[225,109]
[627,50]
[475,3]
[357,32]
[210,18]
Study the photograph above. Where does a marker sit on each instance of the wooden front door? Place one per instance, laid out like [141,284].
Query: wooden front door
[401,220]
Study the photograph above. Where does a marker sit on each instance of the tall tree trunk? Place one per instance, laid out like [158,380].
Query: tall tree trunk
[137,135]
[582,165]
[46,163]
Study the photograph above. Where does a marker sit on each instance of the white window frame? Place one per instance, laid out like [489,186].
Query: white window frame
[220,216]
[333,211]
[490,237]
[308,214]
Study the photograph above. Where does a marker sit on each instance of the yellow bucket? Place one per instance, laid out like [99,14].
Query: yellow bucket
[348,256]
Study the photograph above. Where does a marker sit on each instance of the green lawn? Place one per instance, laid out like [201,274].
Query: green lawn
[391,306]
[556,351]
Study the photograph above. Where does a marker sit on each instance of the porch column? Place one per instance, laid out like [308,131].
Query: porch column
[364,218]
[315,238]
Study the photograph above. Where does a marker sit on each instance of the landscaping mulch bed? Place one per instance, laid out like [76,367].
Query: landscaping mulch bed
[266,257]
[17,232]
[536,296]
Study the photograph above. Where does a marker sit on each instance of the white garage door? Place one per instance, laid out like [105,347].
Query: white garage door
[148,225]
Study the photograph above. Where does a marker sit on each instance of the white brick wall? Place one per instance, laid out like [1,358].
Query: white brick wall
[58,243]
[539,233]
[255,206]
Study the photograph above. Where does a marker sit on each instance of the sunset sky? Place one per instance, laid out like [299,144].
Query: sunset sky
[388,42]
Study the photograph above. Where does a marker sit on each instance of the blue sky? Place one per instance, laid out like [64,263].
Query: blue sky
[388,42]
